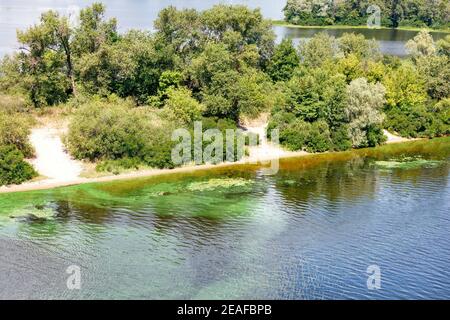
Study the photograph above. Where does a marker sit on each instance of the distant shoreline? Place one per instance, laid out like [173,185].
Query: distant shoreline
[282,23]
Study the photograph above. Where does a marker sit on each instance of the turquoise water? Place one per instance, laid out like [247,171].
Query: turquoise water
[308,232]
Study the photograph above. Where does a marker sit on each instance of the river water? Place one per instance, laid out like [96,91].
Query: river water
[308,232]
[19,14]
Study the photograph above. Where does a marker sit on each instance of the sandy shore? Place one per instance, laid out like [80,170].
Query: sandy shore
[61,170]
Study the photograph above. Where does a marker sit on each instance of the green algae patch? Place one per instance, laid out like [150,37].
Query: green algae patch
[217,184]
[33,213]
[408,163]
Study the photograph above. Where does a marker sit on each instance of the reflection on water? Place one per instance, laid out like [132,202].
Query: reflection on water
[310,231]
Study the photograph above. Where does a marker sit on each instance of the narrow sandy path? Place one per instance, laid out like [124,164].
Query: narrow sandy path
[52,161]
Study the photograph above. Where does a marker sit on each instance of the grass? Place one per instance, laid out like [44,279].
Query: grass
[282,23]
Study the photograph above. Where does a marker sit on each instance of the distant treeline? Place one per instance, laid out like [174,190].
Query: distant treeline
[394,13]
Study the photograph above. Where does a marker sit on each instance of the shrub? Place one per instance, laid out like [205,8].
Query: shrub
[181,106]
[301,135]
[13,169]
[100,131]
[15,130]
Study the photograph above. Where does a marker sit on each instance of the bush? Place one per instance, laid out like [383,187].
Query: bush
[15,130]
[301,135]
[13,169]
[100,131]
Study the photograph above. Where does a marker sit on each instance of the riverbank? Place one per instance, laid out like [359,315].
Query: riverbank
[282,23]
[260,156]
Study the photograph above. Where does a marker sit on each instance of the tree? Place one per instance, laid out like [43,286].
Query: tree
[318,50]
[181,107]
[42,60]
[436,71]
[443,46]
[405,88]
[237,27]
[351,43]
[364,112]
[406,110]
[15,130]
[129,67]
[94,31]
[422,45]
[253,93]
[284,60]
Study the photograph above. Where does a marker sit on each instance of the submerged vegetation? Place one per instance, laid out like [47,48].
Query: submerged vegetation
[128,92]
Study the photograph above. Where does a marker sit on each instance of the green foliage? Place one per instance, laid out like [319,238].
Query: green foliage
[321,48]
[405,88]
[180,106]
[284,60]
[363,109]
[358,45]
[443,46]
[94,30]
[422,45]
[297,134]
[14,130]
[102,131]
[436,71]
[395,13]
[13,168]
[240,29]
[130,67]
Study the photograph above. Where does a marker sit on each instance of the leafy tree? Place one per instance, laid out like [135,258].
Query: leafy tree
[318,50]
[284,60]
[405,88]
[311,94]
[42,61]
[436,71]
[180,106]
[240,29]
[356,44]
[94,30]
[443,46]
[406,109]
[422,45]
[351,67]
[364,112]
[129,67]
[242,25]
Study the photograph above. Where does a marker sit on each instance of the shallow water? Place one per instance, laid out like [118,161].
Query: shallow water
[20,14]
[308,232]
